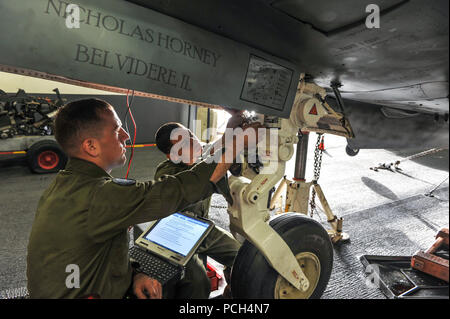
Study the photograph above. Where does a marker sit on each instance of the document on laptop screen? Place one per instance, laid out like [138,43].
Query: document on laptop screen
[177,232]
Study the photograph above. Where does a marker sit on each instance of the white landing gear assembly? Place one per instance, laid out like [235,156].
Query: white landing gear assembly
[289,256]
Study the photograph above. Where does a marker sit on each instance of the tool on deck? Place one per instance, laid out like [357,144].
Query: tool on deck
[431,263]
[393,166]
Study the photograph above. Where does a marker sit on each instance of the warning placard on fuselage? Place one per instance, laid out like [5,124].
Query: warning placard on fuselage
[266,83]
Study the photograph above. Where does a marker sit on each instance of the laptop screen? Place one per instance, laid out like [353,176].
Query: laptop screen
[177,232]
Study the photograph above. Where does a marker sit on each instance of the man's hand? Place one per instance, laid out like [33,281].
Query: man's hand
[239,143]
[236,118]
[145,287]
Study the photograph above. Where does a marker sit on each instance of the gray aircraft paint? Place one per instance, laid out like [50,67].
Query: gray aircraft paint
[124,45]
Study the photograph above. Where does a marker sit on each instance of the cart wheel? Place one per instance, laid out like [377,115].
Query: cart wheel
[350,151]
[46,157]
[253,278]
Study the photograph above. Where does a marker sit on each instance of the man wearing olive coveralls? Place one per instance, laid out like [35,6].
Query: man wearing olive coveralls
[219,244]
[83,216]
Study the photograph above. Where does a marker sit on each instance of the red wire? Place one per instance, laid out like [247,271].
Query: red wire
[134,138]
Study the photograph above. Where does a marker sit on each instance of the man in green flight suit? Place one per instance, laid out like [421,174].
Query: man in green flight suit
[78,244]
[219,244]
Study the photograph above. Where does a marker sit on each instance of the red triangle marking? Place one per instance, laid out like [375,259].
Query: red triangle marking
[313,110]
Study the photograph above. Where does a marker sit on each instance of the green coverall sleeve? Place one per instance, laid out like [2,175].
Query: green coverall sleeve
[114,206]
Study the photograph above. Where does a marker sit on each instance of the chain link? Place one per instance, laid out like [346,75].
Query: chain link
[318,152]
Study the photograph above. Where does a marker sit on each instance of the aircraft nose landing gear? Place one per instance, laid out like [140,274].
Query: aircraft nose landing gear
[253,277]
[292,256]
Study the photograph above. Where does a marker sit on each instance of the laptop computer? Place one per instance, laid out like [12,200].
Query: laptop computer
[166,246]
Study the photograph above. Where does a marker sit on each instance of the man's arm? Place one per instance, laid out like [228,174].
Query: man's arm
[115,207]
[220,171]
[236,147]
[236,120]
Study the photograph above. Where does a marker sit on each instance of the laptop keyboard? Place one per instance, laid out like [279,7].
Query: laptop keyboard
[155,267]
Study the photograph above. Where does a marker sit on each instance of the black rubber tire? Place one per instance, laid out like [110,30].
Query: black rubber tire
[253,278]
[42,146]
[350,151]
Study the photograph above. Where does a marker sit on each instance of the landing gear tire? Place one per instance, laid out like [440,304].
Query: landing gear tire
[350,151]
[46,157]
[253,278]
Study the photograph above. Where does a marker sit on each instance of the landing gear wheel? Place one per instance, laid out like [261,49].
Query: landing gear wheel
[253,278]
[46,157]
[351,151]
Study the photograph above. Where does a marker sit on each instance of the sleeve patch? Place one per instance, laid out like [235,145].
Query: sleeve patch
[123,181]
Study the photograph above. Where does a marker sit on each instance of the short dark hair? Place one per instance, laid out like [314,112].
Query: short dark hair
[77,118]
[162,136]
